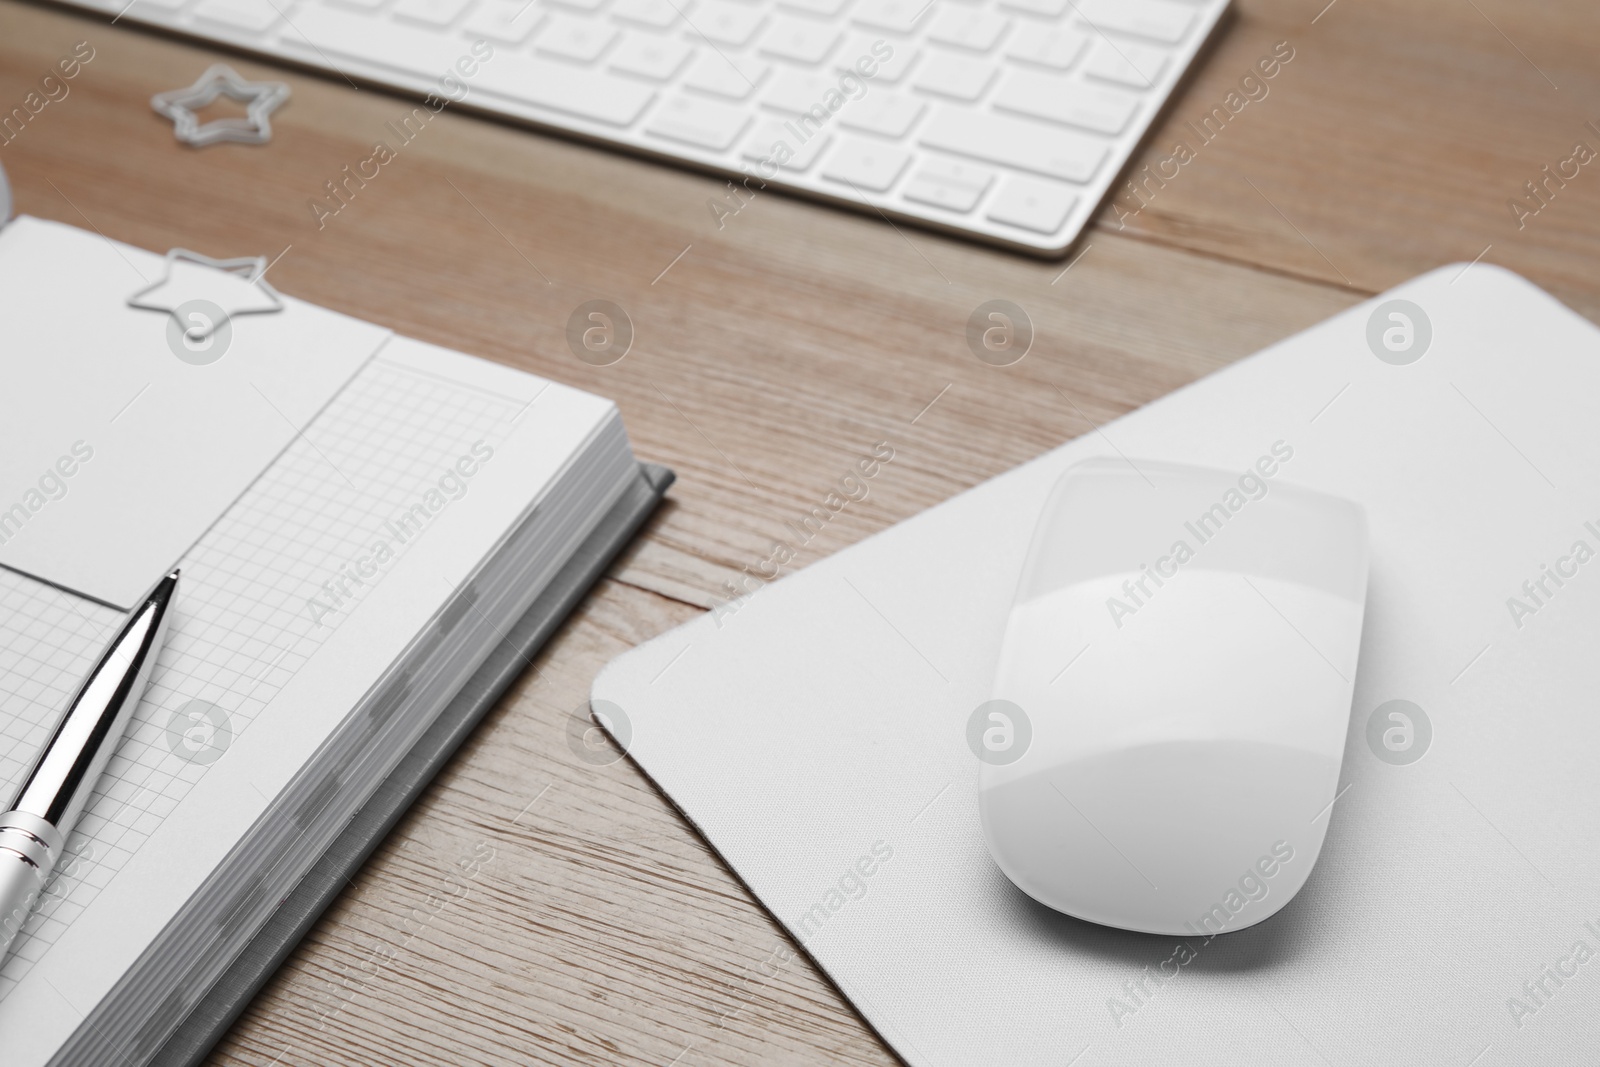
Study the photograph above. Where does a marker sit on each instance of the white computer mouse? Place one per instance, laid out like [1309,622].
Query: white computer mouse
[1173,692]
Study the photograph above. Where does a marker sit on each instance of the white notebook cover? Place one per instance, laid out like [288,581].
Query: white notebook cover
[816,736]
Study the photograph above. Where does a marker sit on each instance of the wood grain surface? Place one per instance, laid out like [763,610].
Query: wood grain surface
[768,354]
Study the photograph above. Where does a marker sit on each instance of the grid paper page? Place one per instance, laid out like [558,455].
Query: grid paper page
[244,623]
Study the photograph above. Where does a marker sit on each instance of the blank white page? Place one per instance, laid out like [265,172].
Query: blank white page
[115,453]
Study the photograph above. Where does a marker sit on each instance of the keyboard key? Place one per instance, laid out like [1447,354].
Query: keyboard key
[1057,47]
[1134,65]
[360,5]
[1066,100]
[797,91]
[885,114]
[578,5]
[974,30]
[702,123]
[896,16]
[825,9]
[799,40]
[1157,20]
[1050,9]
[724,23]
[318,30]
[575,38]
[858,46]
[954,76]
[430,12]
[506,21]
[950,184]
[252,16]
[561,87]
[657,14]
[797,155]
[866,165]
[1032,204]
[1023,144]
[655,58]
[730,77]
[539,83]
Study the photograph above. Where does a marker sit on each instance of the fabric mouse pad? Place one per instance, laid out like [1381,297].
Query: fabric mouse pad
[816,734]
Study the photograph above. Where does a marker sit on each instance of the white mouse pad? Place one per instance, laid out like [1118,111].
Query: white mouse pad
[818,736]
[123,435]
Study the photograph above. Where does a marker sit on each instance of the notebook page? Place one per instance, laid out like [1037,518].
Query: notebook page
[266,591]
[114,431]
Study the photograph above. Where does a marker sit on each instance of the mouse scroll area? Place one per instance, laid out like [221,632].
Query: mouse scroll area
[1184,645]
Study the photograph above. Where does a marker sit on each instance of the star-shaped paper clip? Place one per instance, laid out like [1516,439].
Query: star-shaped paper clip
[236,286]
[261,99]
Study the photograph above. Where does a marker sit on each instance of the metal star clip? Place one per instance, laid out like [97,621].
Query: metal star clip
[261,100]
[251,294]
[5,198]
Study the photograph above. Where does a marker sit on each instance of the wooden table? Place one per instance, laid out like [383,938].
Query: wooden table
[769,353]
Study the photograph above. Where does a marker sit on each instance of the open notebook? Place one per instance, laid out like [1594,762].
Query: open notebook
[360,519]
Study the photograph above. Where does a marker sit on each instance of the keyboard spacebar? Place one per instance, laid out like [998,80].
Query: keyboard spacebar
[332,35]
[1015,142]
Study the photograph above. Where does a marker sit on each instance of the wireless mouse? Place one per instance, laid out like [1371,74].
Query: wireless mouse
[1169,711]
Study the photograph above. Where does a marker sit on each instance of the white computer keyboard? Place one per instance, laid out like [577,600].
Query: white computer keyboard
[1005,120]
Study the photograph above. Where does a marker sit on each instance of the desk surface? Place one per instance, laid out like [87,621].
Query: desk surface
[769,353]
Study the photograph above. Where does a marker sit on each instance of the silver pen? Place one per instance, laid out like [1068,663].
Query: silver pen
[38,821]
